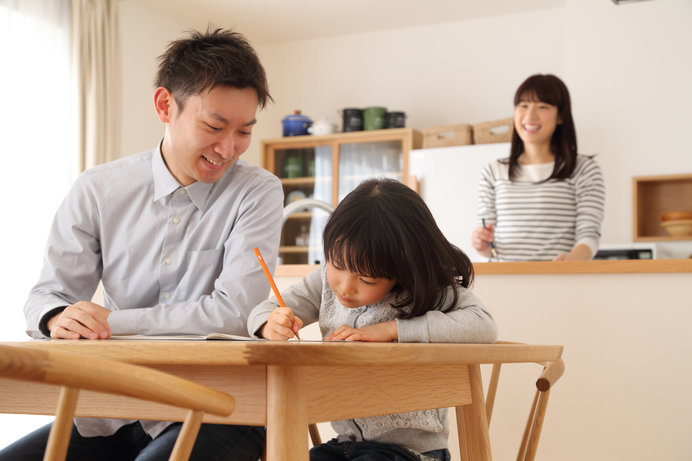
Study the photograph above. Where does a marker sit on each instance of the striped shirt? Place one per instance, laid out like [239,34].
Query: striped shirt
[536,220]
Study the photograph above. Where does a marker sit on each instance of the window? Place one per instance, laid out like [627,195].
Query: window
[37,142]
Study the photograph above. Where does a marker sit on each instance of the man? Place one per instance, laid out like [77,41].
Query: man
[170,234]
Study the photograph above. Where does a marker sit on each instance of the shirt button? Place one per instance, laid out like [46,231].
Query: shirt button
[169,260]
[166,295]
[176,220]
[181,191]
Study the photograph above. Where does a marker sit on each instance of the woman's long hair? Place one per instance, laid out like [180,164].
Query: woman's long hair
[549,89]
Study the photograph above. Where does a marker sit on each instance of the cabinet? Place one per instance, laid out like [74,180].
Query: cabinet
[655,195]
[327,168]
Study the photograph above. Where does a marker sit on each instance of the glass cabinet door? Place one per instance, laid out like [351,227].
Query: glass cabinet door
[305,173]
[363,160]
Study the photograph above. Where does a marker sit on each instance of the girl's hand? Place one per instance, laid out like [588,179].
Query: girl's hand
[381,332]
[481,238]
[281,325]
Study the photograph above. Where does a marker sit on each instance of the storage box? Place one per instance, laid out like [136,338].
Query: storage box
[448,135]
[494,131]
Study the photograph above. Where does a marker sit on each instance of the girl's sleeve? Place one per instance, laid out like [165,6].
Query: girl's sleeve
[303,298]
[467,321]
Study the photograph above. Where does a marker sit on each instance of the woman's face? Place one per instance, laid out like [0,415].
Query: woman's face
[535,121]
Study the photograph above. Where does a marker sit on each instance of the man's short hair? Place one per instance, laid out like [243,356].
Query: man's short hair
[206,60]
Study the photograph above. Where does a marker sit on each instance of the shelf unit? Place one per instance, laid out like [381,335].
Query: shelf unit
[327,168]
[655,195]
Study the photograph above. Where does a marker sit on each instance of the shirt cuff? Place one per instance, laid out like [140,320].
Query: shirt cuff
[413,330]
[126,322]
[43,324]
[591,243]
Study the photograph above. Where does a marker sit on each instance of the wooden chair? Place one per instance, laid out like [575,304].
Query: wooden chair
[74,373]
[532,432]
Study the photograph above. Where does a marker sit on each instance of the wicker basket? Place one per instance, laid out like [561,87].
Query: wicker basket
[495,131]
[448,135]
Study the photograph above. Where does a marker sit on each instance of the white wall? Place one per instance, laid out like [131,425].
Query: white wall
[627,68]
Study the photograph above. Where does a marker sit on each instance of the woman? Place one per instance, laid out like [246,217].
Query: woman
[544,202]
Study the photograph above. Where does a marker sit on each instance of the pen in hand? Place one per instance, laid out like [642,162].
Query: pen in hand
[271,281]
[493,252]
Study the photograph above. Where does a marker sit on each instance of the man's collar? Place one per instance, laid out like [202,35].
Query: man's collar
[165,184]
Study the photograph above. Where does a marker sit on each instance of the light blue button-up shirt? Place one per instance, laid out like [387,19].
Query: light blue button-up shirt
[172,259]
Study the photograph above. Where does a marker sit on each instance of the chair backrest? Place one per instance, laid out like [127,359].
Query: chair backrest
[534,424]
[75,372]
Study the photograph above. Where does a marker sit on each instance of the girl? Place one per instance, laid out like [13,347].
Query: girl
[545,201]
[389,275]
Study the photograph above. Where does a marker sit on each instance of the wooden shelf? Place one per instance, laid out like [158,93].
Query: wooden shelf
[655,195]
[293,249]
[338,158]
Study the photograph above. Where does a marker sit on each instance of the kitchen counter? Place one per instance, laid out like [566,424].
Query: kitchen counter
[632,266]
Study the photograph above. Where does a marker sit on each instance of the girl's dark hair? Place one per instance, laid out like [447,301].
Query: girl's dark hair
[204,61]
[383,229]
[551,90]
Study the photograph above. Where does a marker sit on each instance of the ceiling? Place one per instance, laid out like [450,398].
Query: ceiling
[271,21]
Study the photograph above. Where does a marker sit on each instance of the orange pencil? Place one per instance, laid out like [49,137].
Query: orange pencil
[271,280]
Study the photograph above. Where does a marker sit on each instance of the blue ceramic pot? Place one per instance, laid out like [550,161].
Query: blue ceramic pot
[296,124]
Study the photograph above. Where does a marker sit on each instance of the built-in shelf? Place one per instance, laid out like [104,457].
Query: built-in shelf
[655,195]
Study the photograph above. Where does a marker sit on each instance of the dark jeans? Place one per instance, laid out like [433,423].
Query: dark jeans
[372,451]
[215,442]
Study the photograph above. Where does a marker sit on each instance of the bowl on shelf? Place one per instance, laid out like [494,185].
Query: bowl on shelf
[678,227]
[676,216]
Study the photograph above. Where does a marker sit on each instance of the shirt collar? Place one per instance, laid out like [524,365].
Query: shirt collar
[165,184]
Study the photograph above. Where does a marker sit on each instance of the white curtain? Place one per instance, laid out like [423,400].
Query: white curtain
[96,68]
[37,147]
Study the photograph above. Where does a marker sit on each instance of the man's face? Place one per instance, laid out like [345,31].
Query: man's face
[209,134]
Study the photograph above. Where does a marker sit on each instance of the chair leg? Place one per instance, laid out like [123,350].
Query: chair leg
[537,426]
[61,430]
[527,429]
[187,436]
[314,435]
[492,390]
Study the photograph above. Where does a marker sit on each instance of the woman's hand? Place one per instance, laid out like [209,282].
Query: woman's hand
[580,252]
[381,332]
[481,238]
[281,325]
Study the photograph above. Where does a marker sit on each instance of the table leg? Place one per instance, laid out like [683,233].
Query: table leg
[472,421]
[287,434]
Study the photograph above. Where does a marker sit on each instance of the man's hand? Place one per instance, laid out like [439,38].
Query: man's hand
[281,325]
[380,332]
[81,320]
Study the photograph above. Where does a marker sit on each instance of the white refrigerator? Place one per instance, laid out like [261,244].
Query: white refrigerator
[448,178]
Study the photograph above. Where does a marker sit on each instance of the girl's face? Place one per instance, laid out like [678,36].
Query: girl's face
[535,121]
[354,290]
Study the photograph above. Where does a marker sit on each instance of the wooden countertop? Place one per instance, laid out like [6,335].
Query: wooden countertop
[630,266]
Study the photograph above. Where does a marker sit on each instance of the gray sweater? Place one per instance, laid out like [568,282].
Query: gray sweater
[467,321]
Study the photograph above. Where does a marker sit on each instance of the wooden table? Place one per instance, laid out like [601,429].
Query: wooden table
[287,385]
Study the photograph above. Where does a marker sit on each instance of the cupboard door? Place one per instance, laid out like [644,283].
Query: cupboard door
[305,173]
[364,160]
